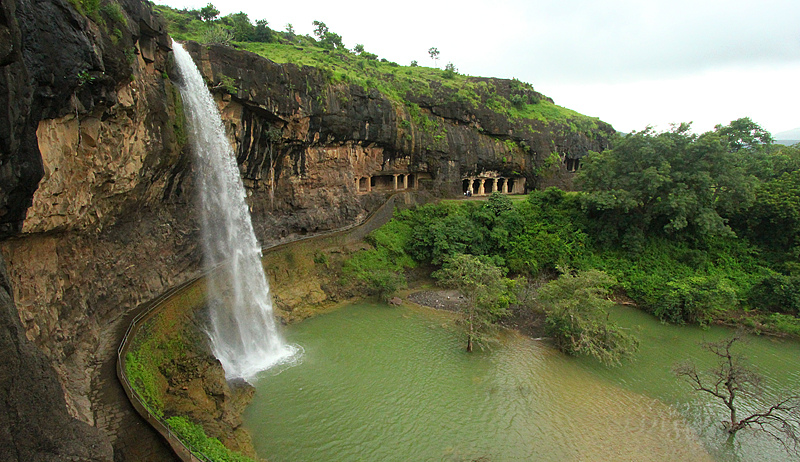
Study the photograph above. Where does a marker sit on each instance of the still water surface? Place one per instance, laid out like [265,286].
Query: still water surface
[380,383]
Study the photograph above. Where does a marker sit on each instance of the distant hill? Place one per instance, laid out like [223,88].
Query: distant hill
[793,134]
[788,138]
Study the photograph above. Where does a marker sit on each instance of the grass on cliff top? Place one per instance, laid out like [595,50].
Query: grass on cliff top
[401,84]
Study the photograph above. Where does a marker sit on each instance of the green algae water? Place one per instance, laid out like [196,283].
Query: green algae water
[380,383]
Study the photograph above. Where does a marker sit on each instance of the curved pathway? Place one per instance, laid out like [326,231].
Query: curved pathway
[132,437]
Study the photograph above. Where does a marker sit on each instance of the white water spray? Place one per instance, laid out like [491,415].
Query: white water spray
[242,329]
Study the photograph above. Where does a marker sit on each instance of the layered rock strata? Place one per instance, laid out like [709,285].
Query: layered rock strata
[96,192]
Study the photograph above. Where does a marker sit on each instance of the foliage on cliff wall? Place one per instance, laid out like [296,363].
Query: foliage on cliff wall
[161,342]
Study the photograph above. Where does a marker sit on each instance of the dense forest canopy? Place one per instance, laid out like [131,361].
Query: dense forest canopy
[694,228]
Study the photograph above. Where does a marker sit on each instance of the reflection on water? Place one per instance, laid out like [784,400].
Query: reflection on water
[382,383]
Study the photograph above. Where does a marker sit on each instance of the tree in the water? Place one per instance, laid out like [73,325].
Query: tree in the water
[576,308]
[732,381]
[487,291]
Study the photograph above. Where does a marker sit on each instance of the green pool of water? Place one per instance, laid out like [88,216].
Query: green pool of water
[380,383]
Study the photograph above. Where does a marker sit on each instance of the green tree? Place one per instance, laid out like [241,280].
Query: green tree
[320,29]
[434,54]
[332,40]
[327,39]
[695,299]
[774,219]
[540,233]
[744,134]
[379,270]
[487,291]
[262,32]
[217,34]
[209,12]
[241,27]
[289,32]
[359,48]
[576,308]
[436,239]
[776,292]
[674,183]
[498,203]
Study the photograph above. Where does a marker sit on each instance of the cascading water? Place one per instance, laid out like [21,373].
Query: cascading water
[242,329]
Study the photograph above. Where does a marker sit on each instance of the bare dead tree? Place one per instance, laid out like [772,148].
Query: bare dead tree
[734,378]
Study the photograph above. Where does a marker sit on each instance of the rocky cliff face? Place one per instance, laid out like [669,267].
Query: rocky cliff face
[91,153]
[310,137]
[96,195]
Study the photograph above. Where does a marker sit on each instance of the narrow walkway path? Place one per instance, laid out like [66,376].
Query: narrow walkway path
[131,436]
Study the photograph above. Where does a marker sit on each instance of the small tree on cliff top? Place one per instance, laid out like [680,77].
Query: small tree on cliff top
[487,290]
[733,380]
[209,12]
[434,53]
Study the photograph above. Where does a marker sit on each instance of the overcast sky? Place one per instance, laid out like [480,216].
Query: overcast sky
[630,63]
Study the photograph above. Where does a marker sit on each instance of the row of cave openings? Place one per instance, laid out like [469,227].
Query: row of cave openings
[482,186]
[390,182]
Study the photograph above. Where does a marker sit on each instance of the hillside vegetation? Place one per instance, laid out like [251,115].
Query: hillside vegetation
[695,229]
[512,99]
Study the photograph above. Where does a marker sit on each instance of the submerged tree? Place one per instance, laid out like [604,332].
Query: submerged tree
[487,290]
[576,308]
[732,380]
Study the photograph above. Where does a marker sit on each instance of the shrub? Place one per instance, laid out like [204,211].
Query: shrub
[379,270]
[114,12]
[776,292]
[696,299]
[783,323]
[141,374]
[518,101]
[195,437]
[450,71]
[217,35]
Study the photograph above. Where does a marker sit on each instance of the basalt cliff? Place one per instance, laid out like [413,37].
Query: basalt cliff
[96,192]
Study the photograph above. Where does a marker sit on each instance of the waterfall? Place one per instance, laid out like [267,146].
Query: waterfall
[242,330]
